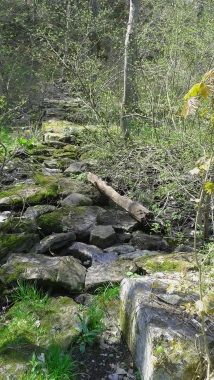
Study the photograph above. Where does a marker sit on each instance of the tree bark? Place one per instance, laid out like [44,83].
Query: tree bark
[136,209]
[66,43]
[130,56]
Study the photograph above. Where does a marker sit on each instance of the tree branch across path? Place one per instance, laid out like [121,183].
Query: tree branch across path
[136,209]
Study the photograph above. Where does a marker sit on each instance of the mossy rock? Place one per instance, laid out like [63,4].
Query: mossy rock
[71,153]
[16,243]
[43,180]
[15,225]
[175,262]
[76,185]
[61,126]
[18,196]
[77,219]
[11,196]
[13,275]
[34,327]
[47,152]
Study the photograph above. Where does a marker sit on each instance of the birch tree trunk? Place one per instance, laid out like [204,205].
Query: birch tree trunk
[95,48]
[130,56]
[66,43]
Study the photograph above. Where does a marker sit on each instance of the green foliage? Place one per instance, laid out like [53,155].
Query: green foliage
[54,364]
[87,334]
[108,292]
[91,318]
[91,324]
[198,92]
[24,326]
[27,143]
[132,275]
[30,294]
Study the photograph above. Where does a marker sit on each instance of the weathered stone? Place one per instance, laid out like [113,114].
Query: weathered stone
[77,167]
[65,272]
[4,216]
[138,254]
[51,164]
[53,243]
[18,225]
[112,272]
[121,249]
[89,254]
[51,172]
[80,220]
[34,212]
[11,243]
[150,242]
[104,258]
[161,341]
[173,262]
[82,251]
[76,199]
[68,185]
[102,236]
[120,220]
[31,194]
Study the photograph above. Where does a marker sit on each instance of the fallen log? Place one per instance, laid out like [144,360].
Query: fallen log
[136,209]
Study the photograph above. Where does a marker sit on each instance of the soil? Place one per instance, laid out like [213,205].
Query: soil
[106,362]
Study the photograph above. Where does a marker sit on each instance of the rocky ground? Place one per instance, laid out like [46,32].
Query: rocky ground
[59,231]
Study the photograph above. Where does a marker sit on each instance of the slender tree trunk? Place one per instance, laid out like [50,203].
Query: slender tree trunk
[66,43]
[130,56]
[95,48]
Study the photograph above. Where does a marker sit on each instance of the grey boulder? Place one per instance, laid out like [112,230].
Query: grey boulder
[65,272]
[103,236]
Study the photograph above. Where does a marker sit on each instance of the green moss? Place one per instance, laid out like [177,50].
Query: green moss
[18,225]
[18,270]
[73,153]
[11,192]
[167,354]
[61,220]
[51,222]
[30,326]
[41,179]
[168,266]
[167,263]
[47,152]
[16,243]
[47,194]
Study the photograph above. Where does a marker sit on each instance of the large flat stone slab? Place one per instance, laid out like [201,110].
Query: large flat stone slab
[161,337]
[111,272]
[65,272]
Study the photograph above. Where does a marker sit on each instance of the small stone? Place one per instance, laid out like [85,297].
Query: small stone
[121,371]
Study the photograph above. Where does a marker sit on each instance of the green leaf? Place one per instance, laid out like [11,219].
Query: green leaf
[129,274]
[22,141]
[204,91]
[194,91]
[209,187]
[160,349]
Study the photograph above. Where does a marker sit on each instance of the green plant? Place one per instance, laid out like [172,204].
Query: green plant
[26,143]
[201,93]
[87,335]
[23,319]
[29,293]
[55,364]
[132,275]
[108,292]
[155,227]
[137,375]
[91,318]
